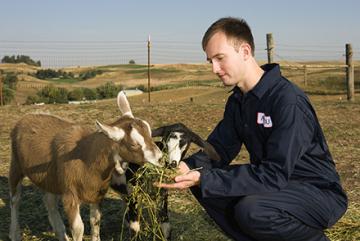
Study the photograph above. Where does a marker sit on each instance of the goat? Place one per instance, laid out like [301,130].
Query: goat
[74,162]
[175,140]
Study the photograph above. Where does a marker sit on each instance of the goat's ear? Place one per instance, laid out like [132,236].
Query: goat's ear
[158,132]
[123,104]
[112,132]
[208,148]
[211,152]
[197,139]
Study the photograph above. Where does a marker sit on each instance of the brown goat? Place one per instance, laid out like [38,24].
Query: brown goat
[74,162]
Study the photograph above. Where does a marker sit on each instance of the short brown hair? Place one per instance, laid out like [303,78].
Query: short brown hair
[235,29]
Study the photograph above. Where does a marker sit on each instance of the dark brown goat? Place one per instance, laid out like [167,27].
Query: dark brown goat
[75,163]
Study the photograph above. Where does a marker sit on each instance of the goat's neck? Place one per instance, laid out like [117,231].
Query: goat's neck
[98,151]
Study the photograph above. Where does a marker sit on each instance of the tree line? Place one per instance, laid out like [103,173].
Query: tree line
[20,59]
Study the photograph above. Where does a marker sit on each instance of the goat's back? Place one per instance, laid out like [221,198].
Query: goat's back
[35,151]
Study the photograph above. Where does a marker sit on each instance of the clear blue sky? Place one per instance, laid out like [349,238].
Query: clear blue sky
[307,29]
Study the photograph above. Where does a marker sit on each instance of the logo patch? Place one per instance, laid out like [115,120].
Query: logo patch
[264,120]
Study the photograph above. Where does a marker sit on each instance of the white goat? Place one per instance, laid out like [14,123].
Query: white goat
[75,163]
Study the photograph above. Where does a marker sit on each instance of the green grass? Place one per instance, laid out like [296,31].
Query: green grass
[67,81]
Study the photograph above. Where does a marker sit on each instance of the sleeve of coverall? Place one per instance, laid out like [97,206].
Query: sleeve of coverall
[224,139]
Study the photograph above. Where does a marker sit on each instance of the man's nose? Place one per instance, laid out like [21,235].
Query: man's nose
[215,68]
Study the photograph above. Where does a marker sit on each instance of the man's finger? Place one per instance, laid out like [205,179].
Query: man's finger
[177,185]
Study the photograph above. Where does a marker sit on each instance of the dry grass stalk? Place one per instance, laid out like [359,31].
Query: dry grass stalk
[148,198]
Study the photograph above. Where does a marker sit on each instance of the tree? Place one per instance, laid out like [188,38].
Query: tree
[20,59]
[7,94]
[10,80]
[131,61]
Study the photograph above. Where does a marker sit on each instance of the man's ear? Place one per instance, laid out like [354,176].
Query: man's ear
[246,50]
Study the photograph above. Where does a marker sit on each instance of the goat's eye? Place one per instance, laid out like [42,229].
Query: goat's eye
[172,136]
[134,145]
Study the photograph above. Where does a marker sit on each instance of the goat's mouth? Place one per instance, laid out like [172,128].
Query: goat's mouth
[173,164]
[155,163]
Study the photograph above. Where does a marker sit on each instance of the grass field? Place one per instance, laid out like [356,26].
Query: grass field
[340,121]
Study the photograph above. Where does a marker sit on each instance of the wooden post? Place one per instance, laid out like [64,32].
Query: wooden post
[149,45]
[270,47]
[305,75]
[350,73]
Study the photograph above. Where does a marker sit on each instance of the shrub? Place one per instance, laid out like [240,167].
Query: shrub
[8,94]
[76,94]
[89,94]
[131,61]
[32,99]
[108,90]
[50,74]
[89,74]
[52,94]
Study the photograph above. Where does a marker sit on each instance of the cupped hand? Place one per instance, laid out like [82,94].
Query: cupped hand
[185,179]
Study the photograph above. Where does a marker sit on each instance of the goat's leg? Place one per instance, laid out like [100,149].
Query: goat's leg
[95,216]
[15,178]
[50,201]
[15,195]
[72,210]
[132,217]
[163,214]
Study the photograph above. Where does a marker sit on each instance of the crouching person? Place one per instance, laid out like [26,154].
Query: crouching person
[290,190]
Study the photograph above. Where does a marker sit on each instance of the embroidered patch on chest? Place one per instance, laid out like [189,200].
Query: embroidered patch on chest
[264,120]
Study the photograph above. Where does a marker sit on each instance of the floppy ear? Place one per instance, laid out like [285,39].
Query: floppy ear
[208,148]
[123,104]
[158,132]
[112,132]
[195,138]
[211,152]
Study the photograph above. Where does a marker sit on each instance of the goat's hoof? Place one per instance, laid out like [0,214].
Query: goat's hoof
[135,226]
[166,230]
[15,237]
[96,238]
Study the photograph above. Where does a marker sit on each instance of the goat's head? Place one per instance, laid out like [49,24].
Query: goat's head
[132,136]
[177,139]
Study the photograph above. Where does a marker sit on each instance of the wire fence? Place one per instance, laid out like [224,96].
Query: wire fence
[58,54]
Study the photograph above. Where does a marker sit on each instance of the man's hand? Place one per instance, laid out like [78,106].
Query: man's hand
[186,179]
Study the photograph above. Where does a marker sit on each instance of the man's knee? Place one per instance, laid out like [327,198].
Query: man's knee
[248,213]
[262,221]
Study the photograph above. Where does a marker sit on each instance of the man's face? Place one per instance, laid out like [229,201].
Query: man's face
[227,62]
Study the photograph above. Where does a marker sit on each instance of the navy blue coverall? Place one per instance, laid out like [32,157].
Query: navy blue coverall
[290,190]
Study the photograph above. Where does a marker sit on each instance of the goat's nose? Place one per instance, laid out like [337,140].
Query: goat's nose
[173,164]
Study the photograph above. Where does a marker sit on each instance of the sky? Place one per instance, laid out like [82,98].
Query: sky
[81,32]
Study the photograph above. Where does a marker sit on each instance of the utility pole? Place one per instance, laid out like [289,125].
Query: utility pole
[1,91]
[149,46]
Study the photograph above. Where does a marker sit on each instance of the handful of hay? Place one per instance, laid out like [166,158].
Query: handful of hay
[149,199]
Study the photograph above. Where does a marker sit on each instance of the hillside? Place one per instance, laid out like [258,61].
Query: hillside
[132,75]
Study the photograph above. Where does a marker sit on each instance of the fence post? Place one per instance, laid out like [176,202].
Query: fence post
[270,47]
[149,46]
[305,75]
[350,73]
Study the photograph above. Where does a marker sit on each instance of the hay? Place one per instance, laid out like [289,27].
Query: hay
[148,199]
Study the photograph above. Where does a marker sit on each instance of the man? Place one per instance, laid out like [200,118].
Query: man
[290,190]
